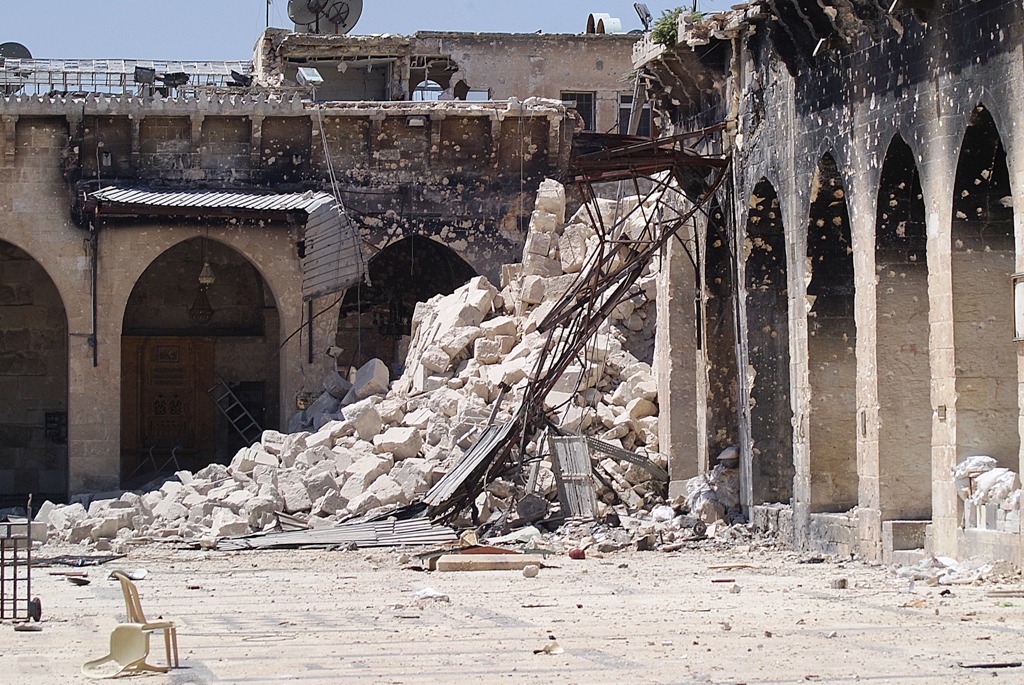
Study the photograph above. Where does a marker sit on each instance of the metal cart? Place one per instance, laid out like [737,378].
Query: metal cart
[16,601]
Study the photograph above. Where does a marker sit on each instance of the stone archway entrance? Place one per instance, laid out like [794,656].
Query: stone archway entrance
[375,320]
[33,382]
[179,338]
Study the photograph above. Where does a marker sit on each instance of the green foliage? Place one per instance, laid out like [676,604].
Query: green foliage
[665,30]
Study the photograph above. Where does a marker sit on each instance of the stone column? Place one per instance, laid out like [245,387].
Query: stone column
[938,170]
[675,363]
[861,204]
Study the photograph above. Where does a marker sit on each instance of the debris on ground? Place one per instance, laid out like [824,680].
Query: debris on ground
[946,571]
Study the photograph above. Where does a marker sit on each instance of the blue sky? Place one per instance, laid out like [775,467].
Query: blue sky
[227,29]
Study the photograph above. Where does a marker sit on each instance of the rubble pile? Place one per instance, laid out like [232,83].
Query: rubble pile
[366,445]
[946,571]
[991,494]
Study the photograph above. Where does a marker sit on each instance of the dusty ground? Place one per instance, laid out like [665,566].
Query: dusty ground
[638,617]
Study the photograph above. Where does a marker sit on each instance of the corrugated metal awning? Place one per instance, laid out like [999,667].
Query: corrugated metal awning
[333,251]
[212,199]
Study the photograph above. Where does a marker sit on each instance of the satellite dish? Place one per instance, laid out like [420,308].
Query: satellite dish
[14,51]
[343,14]
[299,12]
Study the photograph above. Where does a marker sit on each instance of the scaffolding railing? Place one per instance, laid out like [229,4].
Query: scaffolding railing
[122,77]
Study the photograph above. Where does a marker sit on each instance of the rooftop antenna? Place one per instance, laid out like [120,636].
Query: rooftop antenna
[325,16]
[645,15]
[13,51]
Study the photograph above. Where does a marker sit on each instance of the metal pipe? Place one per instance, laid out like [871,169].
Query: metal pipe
[309,341]
[94,243]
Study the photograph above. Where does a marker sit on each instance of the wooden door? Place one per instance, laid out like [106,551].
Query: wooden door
[164,401]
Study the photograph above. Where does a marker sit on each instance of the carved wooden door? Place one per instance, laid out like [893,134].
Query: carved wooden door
[164,402]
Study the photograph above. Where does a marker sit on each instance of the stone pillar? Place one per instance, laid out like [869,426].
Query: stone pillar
[794,206]
[938,170]
[861,204]
[675,364]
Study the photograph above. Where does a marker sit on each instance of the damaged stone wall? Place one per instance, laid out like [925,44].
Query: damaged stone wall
[54,149]
[799,83]
[484,66]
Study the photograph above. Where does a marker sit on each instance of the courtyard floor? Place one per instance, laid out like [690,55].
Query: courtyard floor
[633,617]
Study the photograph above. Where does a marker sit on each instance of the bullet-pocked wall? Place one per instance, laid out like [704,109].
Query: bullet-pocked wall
[33,382]
[720,334]
[904,375]
[767,325]
[831,344]
[921,112]
[983,259]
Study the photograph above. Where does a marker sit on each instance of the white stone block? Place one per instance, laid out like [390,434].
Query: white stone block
[487,351]
[293,491]
[640,408]
[532,291]
[510,273]
[500,325]
[329,504]
[551,198]
[362,473]
[237,500]
[314,455]
[319,484]
[480,295]
[388,492]
[258,510]
[538,243]
[264,457]
[392,411]
[435,359]
[399,441]
[418,418]
[292,447]
[362,503]
[543,222]
[169,510]
[456,340]
[227,524]
[372,378]
[535,265]
[243,461]
[412,475]
[572,248]
[272,441]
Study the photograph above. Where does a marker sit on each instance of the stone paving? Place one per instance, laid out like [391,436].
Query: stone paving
[333,617]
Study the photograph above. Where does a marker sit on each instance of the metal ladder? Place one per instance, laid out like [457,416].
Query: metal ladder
[235,412]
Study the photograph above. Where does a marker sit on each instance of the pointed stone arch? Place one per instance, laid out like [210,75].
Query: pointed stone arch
[375,317]
[982,259]
[831,344]
[902,339]
[172,353]
[719,334]
[767,322]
